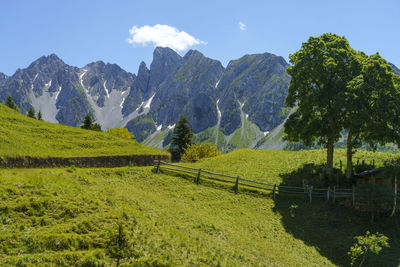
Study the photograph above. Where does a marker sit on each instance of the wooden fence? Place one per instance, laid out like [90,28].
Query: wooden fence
[239,182]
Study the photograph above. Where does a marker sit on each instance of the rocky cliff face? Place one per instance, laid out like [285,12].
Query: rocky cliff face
[3,78]
[256,85]
[250,91]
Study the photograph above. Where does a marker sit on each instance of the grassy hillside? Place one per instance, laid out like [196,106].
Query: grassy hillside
[270,166]
[64,217]
[24,136]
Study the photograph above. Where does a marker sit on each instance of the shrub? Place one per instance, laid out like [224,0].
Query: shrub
[198,151]
[121,132]
[368,243]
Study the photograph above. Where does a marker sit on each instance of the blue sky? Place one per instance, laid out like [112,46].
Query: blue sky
[80,32]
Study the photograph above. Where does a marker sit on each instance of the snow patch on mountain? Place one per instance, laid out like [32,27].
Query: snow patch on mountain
[45,103]
[105,88]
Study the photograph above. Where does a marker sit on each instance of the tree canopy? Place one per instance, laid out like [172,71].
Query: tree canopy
[320,72]
[336,88]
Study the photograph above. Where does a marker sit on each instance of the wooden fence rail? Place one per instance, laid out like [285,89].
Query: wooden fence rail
[328,193]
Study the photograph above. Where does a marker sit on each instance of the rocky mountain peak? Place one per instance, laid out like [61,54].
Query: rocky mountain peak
[143,70]
[3,78]
[52,60]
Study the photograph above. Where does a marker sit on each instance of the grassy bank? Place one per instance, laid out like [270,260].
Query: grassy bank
[24,136]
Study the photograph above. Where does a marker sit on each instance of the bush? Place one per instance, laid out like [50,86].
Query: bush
[198,151]
[368,243]
[121,132]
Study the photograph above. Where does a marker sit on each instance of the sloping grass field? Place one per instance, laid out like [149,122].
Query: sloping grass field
[63,217]
[24,136]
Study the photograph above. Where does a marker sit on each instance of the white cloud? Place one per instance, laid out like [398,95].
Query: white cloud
[164,36]
[242,26]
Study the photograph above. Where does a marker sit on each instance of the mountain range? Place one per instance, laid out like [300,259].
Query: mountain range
[241,105]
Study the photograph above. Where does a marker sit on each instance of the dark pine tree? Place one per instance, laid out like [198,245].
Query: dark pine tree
[181,138]
[10,103]
[96,127]
[31,113]
[87,122]
[39,115]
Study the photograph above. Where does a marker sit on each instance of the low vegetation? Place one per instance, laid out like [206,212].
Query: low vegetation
[24,136]
[71,216]
[198,151]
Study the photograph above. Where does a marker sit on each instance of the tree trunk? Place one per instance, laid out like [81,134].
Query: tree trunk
[329,156]
[349,167]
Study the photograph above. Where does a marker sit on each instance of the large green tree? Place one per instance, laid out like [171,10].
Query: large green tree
[372,106]
[181,138]
[320,72]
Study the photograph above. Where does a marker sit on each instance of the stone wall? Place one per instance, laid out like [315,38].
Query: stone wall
[82,162]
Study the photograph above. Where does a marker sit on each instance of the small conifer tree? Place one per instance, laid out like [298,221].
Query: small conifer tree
[31,113]
[96,127]
[89,125]
[39,116]
[181,138]
[10,103]
[119,246]
[87,122]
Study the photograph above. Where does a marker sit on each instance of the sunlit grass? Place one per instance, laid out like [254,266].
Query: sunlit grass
[24,136]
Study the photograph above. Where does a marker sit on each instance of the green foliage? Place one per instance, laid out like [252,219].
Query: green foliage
[119,247]
[39,115]
[370,243]
[31,113]
[317,93]
[89,125]
[198,151]
[10,103]
[371,109]
[336,88]
[22,136]
[181,138]
[121,132]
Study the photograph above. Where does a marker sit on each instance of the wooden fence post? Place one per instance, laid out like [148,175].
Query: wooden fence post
[237,185]
[274,191]
[327,193]
[353,194]
[334,193]
[310,193]
[198,177]
[158,166]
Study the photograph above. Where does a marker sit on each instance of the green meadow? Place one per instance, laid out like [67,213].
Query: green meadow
[24,136]
[64,217]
